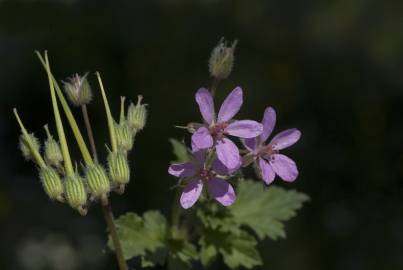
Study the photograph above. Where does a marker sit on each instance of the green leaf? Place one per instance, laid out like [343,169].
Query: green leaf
[150,238]
[140,235]
[265,209]
[179,150]
[236,250]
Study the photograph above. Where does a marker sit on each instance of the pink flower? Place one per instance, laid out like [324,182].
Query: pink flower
[215,130]
[270,161]
[220,189]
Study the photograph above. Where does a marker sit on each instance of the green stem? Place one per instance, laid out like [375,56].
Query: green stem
[70,118]
[59,124]
[214,86]
[108,115]
[89,132]
[176,209]
[108,214]
[106,205]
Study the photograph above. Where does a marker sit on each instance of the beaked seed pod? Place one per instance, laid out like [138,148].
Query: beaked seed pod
[97,180]
[75,192]
[78,90]
[53,154]
[25,149]
[119,170]
[124,136]
[51,183]
[137,115]
[222,59]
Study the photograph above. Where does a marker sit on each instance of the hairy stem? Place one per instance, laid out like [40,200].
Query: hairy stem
[214,86]
[106,205]
[89,132]
[175,212]
[108,214]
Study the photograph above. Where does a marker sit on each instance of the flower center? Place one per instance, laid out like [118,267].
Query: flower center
[267,151]
[218,130]
[206,175]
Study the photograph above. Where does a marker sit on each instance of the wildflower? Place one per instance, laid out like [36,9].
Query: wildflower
[78,90]
[218,188]
[222,59]
[270,162]
[215,130]
[137,115]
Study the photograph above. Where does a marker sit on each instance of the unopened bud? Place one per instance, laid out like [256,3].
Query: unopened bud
[97,180]
[24,146]
[78,90]
[124,136]
[75,192]
[51,183]
[119,168]
[222,59]
[137,115]
[53,154]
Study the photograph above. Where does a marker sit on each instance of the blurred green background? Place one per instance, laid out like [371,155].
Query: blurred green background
[333,69]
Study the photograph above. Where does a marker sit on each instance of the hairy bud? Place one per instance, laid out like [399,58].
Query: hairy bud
[75,192]
[51,183]
[137,115]
[78,90]
[222,59]
[25,149]
[124,136]
[119,168]
[97,180]
[53,154]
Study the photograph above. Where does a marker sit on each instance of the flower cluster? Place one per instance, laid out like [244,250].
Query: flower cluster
[60,180]
[216,158]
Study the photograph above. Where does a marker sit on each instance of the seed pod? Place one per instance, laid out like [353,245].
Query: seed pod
[137,115]
[53,154]
[98,181]
[51,183]
[222,59]
[76,194]
[119,170]
[124,136]
[78,90]
[25,149]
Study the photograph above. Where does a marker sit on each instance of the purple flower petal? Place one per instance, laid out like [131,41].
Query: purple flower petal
[244,129]
[284,167]
[228,153]
[269,121]
[200,157]
[202,139]
[222,191]
[182,169]
[250,144]
[206,104]
[231,105]
[191,193]
[267,171]
[285,138]
[220,168]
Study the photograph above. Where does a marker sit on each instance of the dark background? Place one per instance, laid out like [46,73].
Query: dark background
[333,69]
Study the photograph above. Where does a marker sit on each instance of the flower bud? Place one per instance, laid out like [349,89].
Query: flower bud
[53,154]
[119,167]
[98,181]
[25,149]
[78,90]
[51,183]
[124,136]
[222,59]
[75,192]
[137,115]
